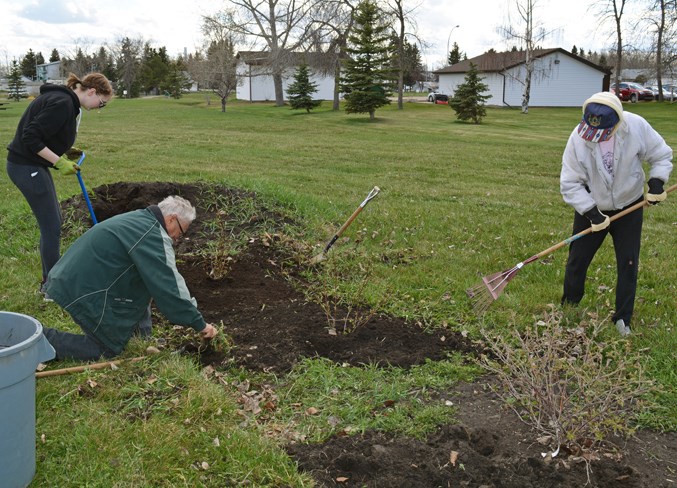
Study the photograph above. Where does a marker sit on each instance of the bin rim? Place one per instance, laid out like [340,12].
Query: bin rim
[28,342]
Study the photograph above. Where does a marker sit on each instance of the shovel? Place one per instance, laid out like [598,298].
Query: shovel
[84,191]
[357,211]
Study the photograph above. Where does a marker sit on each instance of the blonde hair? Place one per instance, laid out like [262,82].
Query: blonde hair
[93,80]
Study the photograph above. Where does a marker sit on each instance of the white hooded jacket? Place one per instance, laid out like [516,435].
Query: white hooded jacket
[585,183]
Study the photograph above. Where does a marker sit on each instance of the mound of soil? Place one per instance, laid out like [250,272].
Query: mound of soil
[273,326]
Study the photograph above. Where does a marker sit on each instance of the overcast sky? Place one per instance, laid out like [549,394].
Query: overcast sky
[43,25]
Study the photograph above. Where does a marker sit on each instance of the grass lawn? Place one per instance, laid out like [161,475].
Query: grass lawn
[458,201]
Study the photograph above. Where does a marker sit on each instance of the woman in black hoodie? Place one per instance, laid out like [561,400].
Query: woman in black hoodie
[47,130]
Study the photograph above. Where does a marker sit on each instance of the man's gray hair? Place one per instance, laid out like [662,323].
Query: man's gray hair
[175,205]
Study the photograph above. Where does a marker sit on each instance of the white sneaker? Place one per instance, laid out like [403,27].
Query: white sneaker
[622,329]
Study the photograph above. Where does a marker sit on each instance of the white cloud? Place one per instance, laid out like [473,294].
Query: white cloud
[43,25]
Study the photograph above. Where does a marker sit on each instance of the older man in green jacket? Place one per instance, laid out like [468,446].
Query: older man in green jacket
[107,278]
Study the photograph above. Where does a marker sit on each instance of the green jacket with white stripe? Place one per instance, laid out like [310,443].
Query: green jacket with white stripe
[107,278]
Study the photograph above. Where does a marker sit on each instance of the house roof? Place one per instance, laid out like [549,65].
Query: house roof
[258,58]
[496,62]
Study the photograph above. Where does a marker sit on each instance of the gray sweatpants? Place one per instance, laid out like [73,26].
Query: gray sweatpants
[37,187]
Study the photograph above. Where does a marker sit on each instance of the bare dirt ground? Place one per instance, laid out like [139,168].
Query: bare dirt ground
[273,326]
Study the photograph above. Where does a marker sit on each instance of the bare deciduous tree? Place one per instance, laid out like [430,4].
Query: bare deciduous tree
[613,10]
[403,18]
[528,35]
[282,26]
[333,22]
[216,69]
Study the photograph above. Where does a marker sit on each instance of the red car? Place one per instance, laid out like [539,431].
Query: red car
[632,92]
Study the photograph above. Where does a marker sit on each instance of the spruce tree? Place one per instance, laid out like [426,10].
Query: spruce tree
[468,100]
[300,92]
[366,78]
[15,84]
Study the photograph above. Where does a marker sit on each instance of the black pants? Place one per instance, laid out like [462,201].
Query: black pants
[626,233]
[37,186]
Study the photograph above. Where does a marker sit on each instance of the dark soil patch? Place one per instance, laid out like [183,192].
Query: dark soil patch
[272,327]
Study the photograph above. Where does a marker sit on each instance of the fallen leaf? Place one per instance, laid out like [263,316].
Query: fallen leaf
[453,457]
[92,383]
[152,379]
[312,411]
[216,442]
[342,479]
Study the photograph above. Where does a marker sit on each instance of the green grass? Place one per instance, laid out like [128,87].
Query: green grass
[458,201]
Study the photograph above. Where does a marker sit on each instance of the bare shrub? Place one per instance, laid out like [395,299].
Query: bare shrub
[571,386]
[340,289]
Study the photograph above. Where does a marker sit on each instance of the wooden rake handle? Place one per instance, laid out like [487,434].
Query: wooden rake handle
[587,231]
[85,367]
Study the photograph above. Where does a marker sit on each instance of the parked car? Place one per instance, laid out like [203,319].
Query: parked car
[669,91]
[632,92]
[438,97]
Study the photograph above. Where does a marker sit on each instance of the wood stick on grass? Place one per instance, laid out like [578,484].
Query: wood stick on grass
[85,367]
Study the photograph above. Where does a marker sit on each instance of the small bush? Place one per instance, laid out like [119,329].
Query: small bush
[567,383]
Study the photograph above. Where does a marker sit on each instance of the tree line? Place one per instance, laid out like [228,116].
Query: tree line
[283,28]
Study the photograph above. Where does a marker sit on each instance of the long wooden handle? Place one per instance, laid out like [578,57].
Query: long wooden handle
[587,231]
[85,367]
[371,195]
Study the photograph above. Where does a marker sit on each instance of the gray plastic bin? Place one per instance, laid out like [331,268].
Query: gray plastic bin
[22,347]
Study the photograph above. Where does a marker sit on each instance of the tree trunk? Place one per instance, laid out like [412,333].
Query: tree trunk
[279,93]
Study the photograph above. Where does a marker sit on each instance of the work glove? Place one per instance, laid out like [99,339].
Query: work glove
[66,166]
[73,153]
[656,192]
[598,220]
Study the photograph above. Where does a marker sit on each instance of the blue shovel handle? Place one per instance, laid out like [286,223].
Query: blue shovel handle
[84,191]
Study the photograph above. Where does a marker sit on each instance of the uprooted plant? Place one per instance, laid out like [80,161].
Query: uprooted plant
[574,388]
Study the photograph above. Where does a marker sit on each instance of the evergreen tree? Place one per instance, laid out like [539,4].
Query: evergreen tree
[28,65]
[300,92]
[176,80]
[412,65]
[15,84]
[455,55]
[54,56]
[468,100]
[366,78]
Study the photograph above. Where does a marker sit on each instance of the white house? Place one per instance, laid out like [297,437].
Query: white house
[559,78]
[255,81]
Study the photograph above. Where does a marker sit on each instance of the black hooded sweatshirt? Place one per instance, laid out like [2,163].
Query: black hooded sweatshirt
[49,121]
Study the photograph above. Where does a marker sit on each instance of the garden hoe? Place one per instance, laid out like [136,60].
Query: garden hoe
[370,197]
[491,287]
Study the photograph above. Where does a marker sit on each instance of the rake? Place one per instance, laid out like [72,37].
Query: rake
[491,287]
[372,194]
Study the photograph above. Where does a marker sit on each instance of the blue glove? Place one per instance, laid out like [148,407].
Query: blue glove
[656,192]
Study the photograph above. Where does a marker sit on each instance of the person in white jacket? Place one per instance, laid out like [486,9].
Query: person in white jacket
[601,175]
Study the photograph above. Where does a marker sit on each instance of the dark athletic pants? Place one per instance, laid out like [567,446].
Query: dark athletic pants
[86,347]
[37,187]
[626,233]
